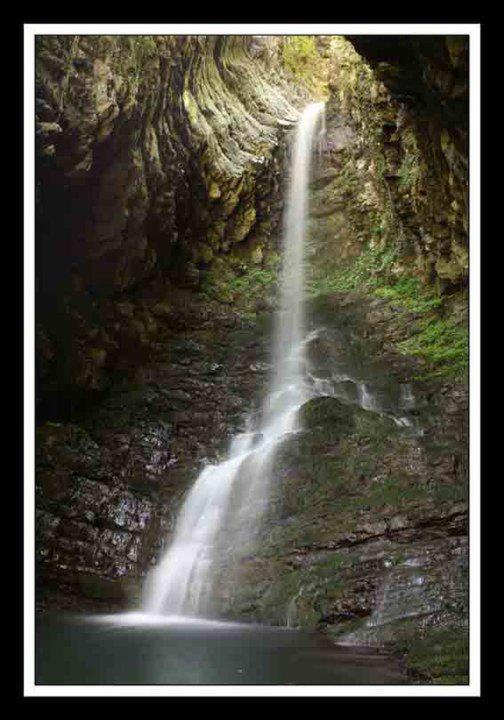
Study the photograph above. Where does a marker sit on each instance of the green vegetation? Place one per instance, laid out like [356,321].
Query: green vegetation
[437,337]
[410,294]
[367,272]
[303,61]
[397,492]
[441,656]
[443,344]
[232,281]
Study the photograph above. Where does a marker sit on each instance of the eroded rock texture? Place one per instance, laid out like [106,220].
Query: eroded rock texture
[154,155]
[398,139]
[109,488]
[160,168]
[427,78]
[367,538]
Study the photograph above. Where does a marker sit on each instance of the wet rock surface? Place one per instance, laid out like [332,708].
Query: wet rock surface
[368,536]
[403,114]
[160,168]
[109,487]
[155,155]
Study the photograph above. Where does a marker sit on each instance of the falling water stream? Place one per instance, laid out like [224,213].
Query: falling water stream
[225,507]
[172,638]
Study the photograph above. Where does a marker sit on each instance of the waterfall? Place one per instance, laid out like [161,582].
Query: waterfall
[224,509]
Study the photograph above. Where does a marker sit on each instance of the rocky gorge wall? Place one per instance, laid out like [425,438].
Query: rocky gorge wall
[158,157]
[159,177]
[154,154]
[389,213]
[367,539]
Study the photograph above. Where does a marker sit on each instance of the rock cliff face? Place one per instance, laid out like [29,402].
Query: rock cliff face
[160,169]
[154,156]
[389,212]
[367,538]
[415,96]
[157,158]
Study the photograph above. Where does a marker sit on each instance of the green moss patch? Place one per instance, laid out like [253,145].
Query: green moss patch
[443,344]
[232,281]
[441,656]
[437,335]
[304,63]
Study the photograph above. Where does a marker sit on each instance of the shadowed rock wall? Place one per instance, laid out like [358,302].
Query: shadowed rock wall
[156,157]
[154,154]
[427,139]
[160,167]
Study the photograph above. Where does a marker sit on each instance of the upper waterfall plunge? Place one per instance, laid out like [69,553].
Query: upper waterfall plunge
[224,508]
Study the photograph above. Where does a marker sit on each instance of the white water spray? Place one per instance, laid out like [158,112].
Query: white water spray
[225,507]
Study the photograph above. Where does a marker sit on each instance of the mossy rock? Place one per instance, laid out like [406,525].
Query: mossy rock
[101,588]
[333,416]
[440,656]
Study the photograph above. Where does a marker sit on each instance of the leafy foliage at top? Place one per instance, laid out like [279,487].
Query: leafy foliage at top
[303,61]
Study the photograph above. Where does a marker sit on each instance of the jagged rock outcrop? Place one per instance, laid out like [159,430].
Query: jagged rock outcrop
[109,487]
[160,165]
[427,77]
[154,154]
[367,537]
[156,157]
[403,120]
[389,200]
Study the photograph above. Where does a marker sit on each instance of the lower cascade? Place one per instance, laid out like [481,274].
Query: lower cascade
[222,513]
[250,369]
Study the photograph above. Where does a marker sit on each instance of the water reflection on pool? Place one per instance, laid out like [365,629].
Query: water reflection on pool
[135,649]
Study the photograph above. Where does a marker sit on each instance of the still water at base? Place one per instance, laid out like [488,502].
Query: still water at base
[134,649]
